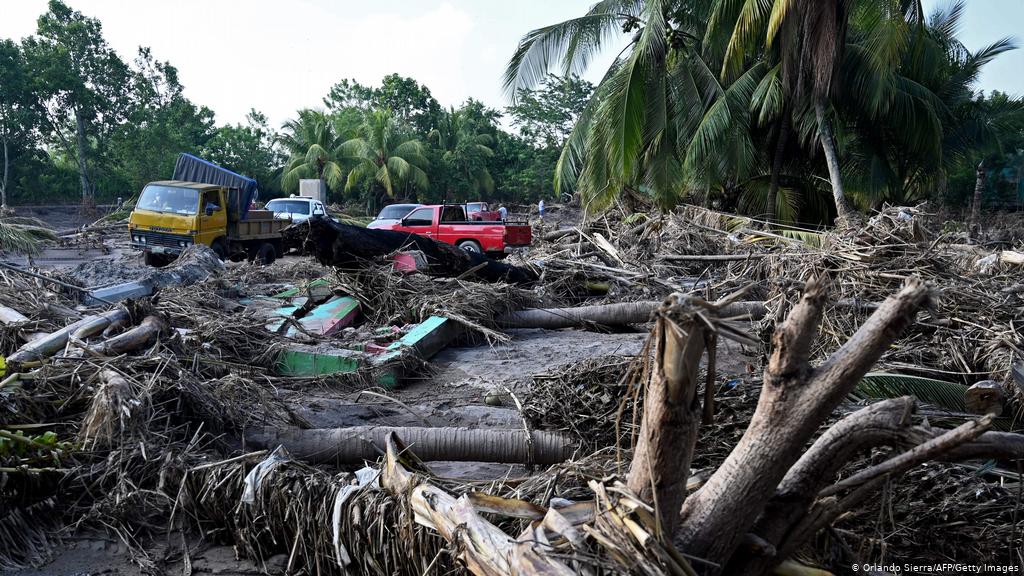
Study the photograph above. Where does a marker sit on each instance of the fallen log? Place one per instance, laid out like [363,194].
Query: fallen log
[145,334]
[556,234]
[359,443]
[348,246]
[608,315]
[709,257]
[11,316]
[50,344]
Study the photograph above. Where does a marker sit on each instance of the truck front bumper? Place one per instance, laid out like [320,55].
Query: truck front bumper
[515,249]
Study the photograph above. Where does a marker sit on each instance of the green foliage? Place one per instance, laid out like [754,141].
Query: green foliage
[313,144]
[466,150]
[725,101]
[382,153]
[545,115]
[23,235]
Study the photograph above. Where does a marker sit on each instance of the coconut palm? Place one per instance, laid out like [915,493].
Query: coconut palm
[312,141]
[383,153]
[924,118]
[660,119]
[464,150]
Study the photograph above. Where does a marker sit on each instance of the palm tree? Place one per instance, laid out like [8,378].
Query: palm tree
[660,119]
[312,141]
[911,127]
[384,154]
[464,150]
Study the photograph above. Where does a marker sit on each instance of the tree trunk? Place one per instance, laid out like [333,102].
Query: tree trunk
[359,443]
[145,334]
[780,150]
[795,400]
[3,182]
[83,174]
[671,416]
[51,344]
[619,314]
[846,214]
[979,189]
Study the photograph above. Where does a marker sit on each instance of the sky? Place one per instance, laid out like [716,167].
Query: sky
[277,57]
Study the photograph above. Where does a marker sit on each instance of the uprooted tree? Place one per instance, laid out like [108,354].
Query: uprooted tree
[773,493]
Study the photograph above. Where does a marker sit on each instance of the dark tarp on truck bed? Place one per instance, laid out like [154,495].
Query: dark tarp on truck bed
[193,169]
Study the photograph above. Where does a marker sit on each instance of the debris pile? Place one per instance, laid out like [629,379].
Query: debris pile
[182,408]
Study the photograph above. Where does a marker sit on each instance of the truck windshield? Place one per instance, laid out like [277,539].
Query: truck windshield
[173,199]
[289,206]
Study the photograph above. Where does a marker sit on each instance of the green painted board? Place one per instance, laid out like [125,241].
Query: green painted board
[428,337]
[301,361]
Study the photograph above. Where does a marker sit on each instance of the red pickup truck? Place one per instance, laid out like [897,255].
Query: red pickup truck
[448,223]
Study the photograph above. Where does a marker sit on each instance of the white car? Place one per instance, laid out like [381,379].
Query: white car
[298,208]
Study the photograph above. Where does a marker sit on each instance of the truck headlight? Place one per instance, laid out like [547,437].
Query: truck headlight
[183,243]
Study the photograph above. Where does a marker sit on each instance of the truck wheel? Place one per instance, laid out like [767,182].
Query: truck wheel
[267,254]
[470,246]
[155,260]
[220,249]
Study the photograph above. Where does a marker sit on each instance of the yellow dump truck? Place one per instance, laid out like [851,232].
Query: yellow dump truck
[204,204]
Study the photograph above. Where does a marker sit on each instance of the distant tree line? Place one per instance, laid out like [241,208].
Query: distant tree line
[77,122]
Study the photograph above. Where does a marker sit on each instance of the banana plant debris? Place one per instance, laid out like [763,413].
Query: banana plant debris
[640,393]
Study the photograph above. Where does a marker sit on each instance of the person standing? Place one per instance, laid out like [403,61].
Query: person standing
[540,208]
[502,212]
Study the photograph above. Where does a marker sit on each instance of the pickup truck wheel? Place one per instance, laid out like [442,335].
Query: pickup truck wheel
[470,246]
[267,254]
[220,249]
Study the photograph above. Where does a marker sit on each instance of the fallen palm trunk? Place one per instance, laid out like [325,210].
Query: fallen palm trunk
[360,443]
[347,246]
[608,315]
[710,257]
[10,316]
[50,344]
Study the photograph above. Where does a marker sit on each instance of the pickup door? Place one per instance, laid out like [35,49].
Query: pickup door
[448,224]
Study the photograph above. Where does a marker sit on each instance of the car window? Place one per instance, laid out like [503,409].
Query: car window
[289,206]
[211,200]
[420,217]
[395,212]
[453,214]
